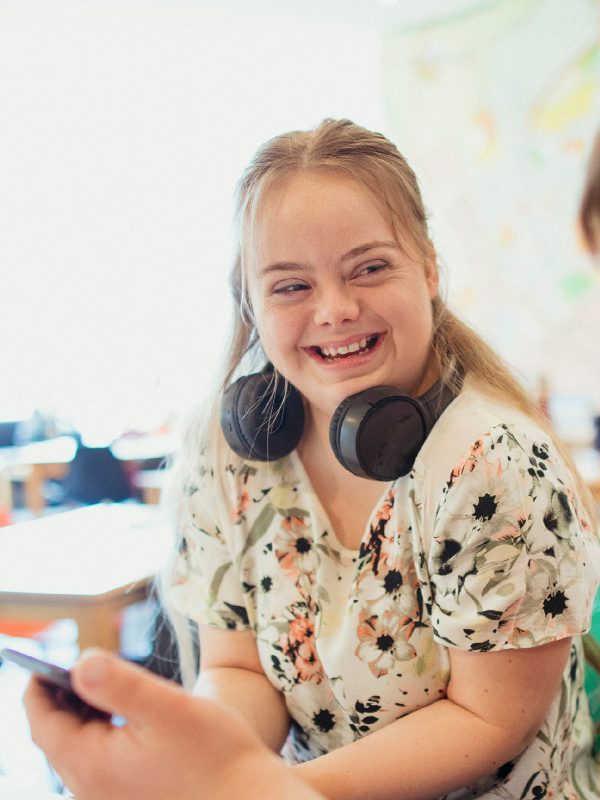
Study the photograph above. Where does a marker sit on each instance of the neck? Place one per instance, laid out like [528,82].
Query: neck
[316,432]
[430,375]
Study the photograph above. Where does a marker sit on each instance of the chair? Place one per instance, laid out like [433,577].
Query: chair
[8,432]
[96,475]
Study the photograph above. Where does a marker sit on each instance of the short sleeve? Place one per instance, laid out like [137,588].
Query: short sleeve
[203,583]
[513,561]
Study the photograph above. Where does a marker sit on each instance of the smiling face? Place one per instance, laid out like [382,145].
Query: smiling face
[338,305]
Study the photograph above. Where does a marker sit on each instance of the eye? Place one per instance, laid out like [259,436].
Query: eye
[369,269]
[289,288]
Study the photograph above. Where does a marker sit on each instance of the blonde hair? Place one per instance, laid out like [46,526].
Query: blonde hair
[373,161]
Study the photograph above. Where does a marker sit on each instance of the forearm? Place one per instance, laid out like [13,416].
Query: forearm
[425,754]
[252,696]
[258,777]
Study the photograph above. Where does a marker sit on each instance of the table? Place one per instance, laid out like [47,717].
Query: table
[145,446]
[87,565]
[37,462]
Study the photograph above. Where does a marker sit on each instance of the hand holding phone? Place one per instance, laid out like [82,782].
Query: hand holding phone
[57,680]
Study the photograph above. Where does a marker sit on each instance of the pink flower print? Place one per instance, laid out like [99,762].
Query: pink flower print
[382,642]
[307,664]
[301,630]
[294,547]
[242,506]
[467,464]
[384,512]
[299,647]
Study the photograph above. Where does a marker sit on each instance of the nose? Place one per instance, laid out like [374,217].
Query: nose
[336,304]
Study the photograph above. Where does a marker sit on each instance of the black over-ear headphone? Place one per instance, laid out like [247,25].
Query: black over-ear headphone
[375,433]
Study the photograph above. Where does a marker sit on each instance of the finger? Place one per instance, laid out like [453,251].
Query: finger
[52,726]
[118,687]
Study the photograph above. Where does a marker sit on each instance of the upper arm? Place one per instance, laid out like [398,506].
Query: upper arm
[511,689]
[231,673]
[512,563]
[228,648]
[202,581]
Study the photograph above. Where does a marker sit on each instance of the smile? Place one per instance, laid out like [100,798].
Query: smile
[332,354]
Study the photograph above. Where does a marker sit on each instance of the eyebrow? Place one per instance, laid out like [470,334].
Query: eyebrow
[283,266]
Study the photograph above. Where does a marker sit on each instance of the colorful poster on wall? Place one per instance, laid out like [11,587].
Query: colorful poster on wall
[496,110]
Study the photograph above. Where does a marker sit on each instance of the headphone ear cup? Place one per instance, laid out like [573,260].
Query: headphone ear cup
[377,433]
[261,419]
[336,426]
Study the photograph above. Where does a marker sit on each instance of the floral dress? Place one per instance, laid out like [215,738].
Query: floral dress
[483,546]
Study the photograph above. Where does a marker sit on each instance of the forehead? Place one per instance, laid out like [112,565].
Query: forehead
[316,210]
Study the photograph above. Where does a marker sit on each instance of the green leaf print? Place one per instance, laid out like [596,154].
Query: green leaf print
[543,738]
[217,580]
[323,594]
[293,512]
[547,566]
[505,590]
[420,665]
[258,530]
[563,701]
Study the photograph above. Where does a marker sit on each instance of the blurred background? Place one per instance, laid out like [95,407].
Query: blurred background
[125,125]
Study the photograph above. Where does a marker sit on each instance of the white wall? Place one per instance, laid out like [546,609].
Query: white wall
[125,125]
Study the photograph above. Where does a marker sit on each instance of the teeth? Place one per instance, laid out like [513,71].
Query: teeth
[354,347]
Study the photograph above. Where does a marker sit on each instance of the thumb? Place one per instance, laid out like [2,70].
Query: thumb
[107,682]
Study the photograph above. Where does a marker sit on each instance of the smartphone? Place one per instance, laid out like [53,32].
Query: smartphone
[57,680]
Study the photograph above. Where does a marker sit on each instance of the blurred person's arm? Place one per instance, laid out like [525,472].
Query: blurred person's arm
[171,745]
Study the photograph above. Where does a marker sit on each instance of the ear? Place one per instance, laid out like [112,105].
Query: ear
[432,274]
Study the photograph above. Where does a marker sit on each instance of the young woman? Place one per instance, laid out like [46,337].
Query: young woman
[413,637]
[426,628]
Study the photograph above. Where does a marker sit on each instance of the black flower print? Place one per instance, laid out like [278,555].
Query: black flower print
[555,603]
[485,508]
[559,516]
[324,720]
[448,549]
[382,642]
[392,581]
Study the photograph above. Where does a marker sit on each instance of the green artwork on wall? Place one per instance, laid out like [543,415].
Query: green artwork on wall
[496,109]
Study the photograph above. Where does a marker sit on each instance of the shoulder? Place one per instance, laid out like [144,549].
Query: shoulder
[477,434]
[236,490]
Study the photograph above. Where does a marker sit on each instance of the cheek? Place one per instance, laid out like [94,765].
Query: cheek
[278,334]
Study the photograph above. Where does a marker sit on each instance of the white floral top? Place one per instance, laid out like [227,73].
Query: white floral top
[483,546]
